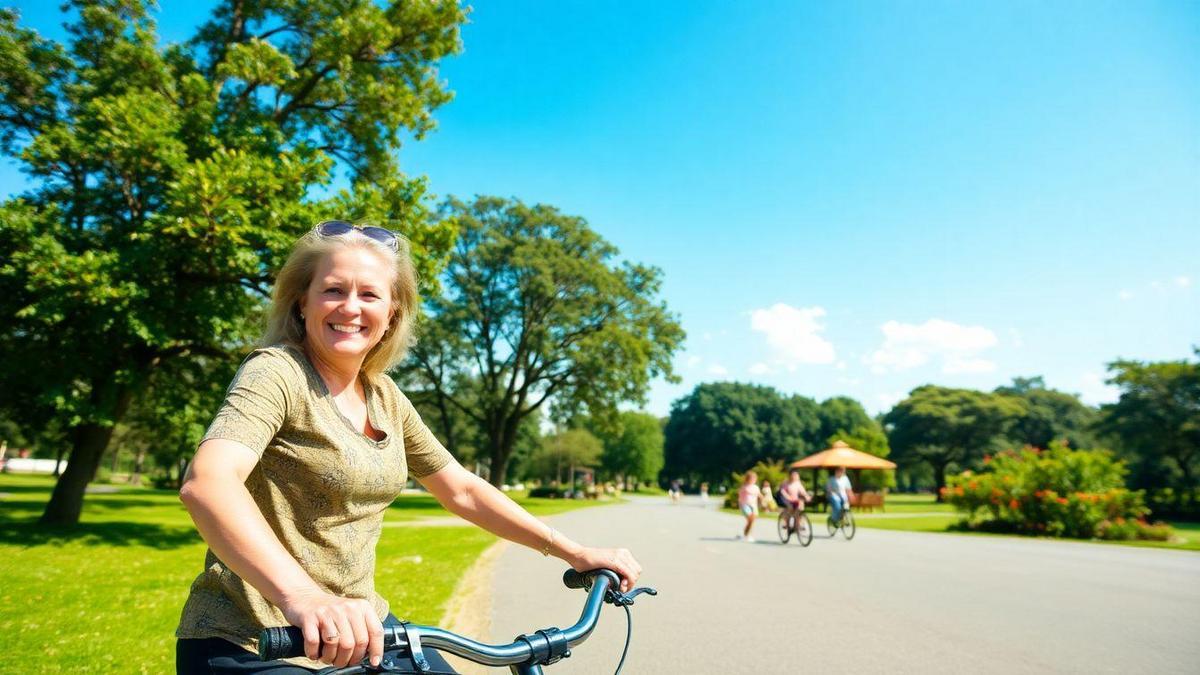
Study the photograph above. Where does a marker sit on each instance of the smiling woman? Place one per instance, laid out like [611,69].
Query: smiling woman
[311,445]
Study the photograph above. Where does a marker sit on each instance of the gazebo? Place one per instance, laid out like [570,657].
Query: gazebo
[843,455]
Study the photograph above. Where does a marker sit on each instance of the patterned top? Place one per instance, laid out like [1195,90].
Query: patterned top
[321,484]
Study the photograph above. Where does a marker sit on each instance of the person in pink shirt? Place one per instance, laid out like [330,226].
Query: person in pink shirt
[748,502]
[792,495]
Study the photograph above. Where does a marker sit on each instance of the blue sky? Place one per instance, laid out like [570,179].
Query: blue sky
[851,198]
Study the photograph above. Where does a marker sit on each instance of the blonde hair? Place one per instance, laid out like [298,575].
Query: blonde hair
[284,325]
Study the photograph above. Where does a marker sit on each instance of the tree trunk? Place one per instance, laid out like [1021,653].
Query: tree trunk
[939,478]
[66,502]
[88,443]
[139,463]
[58,455]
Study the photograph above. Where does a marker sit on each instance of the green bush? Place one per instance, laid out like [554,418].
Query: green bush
[1057,492]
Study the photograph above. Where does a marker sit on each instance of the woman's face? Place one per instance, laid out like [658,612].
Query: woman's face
[348,305]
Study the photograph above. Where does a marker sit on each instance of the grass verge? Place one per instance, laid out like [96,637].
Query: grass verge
[105,596]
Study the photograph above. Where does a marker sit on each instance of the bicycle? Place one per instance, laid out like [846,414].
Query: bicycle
[524,656]
[845,524]
[797,523]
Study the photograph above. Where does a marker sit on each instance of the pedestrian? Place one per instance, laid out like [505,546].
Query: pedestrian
[766,500]
[704,494]
[312,443]
[748,503]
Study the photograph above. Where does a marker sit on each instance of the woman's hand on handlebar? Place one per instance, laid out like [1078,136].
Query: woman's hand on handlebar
[619,560]
[338,631]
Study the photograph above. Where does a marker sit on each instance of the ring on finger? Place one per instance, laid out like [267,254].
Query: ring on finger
[332,637]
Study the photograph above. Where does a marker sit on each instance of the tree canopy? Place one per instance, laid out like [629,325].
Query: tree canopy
[1157,420]
[725,426]
[1049,415]
[633,447]
[169,183]
[536,308]
[942,426]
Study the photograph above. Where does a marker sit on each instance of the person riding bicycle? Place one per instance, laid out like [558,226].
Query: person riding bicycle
[312,443]
[838,491]
[792,495]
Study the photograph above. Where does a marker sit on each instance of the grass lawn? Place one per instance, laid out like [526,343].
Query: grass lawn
[105,596]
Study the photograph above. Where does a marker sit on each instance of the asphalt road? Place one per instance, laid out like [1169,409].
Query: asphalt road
[886,601]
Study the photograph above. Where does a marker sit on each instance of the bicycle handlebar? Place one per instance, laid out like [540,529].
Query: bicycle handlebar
[543,646]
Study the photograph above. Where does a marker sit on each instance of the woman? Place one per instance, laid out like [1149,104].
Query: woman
[748,503]
[311,445]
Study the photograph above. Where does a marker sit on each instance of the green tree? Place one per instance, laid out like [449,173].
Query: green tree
[842,413]
[942,426]
[169,183]
[725,426]
[536,308]
[633,451]
[1157,419]
[561,453]
[1049,416]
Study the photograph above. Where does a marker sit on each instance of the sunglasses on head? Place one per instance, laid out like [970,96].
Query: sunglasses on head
[336,228]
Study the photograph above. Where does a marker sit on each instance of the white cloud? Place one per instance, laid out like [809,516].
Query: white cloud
[760,369]
[693,361]
[1018,340]
[841,365]
[793,335]
[718,370]
[907,346]
[1182,281]
[1125,294]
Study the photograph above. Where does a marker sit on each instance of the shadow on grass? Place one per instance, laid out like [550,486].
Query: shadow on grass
[32,533]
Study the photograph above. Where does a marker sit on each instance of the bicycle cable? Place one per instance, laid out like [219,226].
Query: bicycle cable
[628,638]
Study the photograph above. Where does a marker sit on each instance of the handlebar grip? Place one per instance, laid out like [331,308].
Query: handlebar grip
[281,642]
[573,579]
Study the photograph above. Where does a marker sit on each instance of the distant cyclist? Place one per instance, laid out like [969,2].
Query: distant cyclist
[792,495]
[839,492]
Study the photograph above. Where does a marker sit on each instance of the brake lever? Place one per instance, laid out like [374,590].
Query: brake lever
[625,599]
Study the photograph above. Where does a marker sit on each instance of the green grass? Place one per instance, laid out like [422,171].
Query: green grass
[105,596]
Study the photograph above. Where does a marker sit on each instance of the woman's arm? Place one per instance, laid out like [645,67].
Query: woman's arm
[214,493]
[472,498]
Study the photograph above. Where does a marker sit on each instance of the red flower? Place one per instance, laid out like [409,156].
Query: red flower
[1062,500]
[1014,504]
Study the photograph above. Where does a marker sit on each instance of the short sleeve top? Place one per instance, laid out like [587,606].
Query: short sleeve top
[321,484]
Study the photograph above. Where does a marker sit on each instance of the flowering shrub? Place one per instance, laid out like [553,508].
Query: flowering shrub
[1057,492]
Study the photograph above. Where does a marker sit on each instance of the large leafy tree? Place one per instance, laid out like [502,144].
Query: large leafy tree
[941,426]
[1157,419]
[1050,415]
[633,447]
[726,426]
[536,309]
[561,453]
[169,182]
[842,414]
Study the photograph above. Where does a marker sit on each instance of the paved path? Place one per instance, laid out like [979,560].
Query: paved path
[885,602]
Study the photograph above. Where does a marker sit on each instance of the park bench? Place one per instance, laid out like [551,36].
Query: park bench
[867,501]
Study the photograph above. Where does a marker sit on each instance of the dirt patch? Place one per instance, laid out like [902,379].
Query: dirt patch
[469,612]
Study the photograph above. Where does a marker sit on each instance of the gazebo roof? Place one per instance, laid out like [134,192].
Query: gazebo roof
[842,455]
